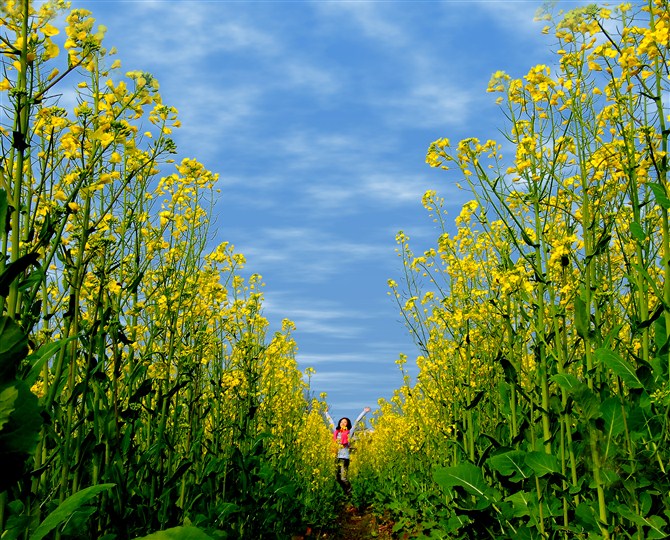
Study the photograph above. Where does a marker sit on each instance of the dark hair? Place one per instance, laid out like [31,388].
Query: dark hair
[340,421]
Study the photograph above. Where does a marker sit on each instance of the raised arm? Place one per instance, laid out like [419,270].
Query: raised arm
[365,411]
[331,423]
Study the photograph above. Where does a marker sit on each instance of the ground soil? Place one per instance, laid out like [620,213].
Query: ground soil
[353,524]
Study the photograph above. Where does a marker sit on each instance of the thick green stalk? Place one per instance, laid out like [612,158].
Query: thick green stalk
[540,319]
[22,119]
[469,420]
[567,454]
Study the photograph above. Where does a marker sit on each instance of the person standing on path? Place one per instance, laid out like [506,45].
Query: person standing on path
[343,433]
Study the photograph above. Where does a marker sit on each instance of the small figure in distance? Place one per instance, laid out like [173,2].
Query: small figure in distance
[343,434]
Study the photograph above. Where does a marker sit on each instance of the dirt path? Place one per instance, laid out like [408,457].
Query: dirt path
[354,524]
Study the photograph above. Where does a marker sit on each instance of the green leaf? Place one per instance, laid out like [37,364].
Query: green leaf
[457,522]
[475,401]
[602,245]
[178,533]
[660,335]
[527,239]
[609,477]
[656,526]
[612,414]
[522,503]
[19,434]
[510,464]
[66,509]
[619,366]
[15,269]
[655,523]
[660,195]
[567,381]
[542,463]
[34,278]
[581,318]
[8,398]
[42,355]
[586,514]
[466,475]
[652,318]
[587,404]
[637,231]
[13,348]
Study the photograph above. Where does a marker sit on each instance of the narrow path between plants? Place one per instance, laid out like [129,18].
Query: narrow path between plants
[353,524]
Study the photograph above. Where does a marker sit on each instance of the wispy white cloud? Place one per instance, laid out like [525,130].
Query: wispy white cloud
[307,147]
[369,18]
[368,353]
[337,358]
[350,376]
[196,30]
[327,322]
[308,254]
[352,389]
[429,103]
[517,17]
[320,82]
[210,116]
[394,189]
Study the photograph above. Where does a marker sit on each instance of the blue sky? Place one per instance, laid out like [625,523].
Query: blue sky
[317,115]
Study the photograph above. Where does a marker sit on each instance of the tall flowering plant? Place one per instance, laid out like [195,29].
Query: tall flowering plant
[548,308]
[139,385]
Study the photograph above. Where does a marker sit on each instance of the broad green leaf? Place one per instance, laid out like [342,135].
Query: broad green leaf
[13,348]
[660,195]
[652,318]
[15,269]
[25,420]
[42,355]
[8,398]
[34,278]
[522,503]
[567,381]
[466,475]
[586,514]
[19,434]
[457,522]
[67,508]
[602,245]
[656,527]
[475,401]
[660,334]
[612,414]
[628,513]
[619,366]
[609,477]
[637,231]
[542,463]
[178,533]
[656,524]
[587,404]
[581,318]
[645,501]
[510,464]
